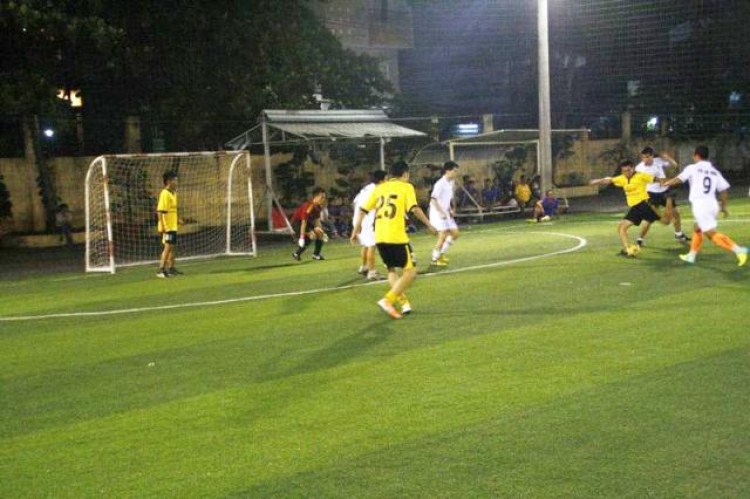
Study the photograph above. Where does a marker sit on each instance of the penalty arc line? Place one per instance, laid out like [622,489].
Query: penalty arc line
[582,242]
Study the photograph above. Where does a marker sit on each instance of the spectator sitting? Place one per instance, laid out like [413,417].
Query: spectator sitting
[536,187]
[523,193]
[490,194]
[546,209]
[64,222]
[467,193]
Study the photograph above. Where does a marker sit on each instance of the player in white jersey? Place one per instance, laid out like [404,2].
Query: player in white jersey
[706,182]
[659,195]
[442,211]
[367,235]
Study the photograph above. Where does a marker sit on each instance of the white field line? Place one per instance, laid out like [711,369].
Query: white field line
[467,229]
[581,244]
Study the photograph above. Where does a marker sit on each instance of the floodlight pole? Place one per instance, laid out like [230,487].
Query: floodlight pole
[545,120]
[269,173]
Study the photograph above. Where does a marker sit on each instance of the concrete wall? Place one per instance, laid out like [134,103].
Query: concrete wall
[589,159]
[20,178]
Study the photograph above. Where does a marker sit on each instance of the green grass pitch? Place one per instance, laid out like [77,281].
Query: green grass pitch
[578,374]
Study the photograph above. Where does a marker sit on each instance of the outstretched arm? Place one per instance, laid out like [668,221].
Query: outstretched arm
[601,181]
[670,182]
[669,159]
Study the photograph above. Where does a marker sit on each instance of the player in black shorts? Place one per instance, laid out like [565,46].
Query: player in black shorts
[659,196]
[634,185]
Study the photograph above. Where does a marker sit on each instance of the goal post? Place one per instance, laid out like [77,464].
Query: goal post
[215,207]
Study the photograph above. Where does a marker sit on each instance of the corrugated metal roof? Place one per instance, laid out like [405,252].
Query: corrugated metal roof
[312,124]
[346,130]
[349,123]
[274,116]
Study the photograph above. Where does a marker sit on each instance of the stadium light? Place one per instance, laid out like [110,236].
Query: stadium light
[49,133]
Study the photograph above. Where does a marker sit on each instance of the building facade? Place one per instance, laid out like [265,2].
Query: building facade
[379,28]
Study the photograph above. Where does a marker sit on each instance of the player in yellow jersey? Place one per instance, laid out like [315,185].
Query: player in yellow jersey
[634,184]
[392,201]
[167,226]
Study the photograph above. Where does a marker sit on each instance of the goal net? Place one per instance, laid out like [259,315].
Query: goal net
[215,207]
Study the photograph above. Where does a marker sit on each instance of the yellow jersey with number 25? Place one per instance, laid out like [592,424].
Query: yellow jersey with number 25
[392,201]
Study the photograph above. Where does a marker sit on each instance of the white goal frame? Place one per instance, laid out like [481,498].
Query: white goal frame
[241,160]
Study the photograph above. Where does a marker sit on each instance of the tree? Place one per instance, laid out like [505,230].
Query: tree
[205,70]
[48,45]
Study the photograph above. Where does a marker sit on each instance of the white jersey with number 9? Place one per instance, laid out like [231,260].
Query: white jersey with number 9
[705,182]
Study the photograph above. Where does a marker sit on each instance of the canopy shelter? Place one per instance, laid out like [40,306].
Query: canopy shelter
[281,127]
[503,137]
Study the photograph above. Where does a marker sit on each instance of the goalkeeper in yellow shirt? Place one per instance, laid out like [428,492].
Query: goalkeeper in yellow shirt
[166,211]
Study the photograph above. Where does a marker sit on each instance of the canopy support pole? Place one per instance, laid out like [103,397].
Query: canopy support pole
[269,173]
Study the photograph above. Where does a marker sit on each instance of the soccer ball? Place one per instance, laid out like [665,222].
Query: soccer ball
[633,250]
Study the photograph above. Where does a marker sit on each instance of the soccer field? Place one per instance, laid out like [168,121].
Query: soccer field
[539,364]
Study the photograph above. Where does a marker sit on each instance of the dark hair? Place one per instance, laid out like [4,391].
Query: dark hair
[169,175]
[449,165]
[648,151]
[399,168]
[318,190]
[702,152]
[63,206]
[625,163]
[378,176]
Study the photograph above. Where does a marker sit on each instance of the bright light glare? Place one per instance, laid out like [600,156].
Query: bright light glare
[49,133]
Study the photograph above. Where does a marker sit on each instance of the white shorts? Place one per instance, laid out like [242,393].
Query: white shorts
[706,216]
[440,223]
[367,234]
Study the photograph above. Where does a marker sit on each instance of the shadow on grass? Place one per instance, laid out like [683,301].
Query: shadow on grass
[337,353]
[256,268]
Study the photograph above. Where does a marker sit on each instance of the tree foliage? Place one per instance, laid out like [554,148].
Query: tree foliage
[47,45]
[204,70]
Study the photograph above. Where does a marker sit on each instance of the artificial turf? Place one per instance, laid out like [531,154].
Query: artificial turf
[580,374]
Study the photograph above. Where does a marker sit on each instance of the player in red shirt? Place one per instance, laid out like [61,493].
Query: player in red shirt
[307,227]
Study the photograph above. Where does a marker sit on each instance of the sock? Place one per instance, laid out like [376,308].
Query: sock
[403,299]
[696,243]
[446,245]
[725,242]
[391,297]
[301,250]
[678,233]
[436,254]
[318,246]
